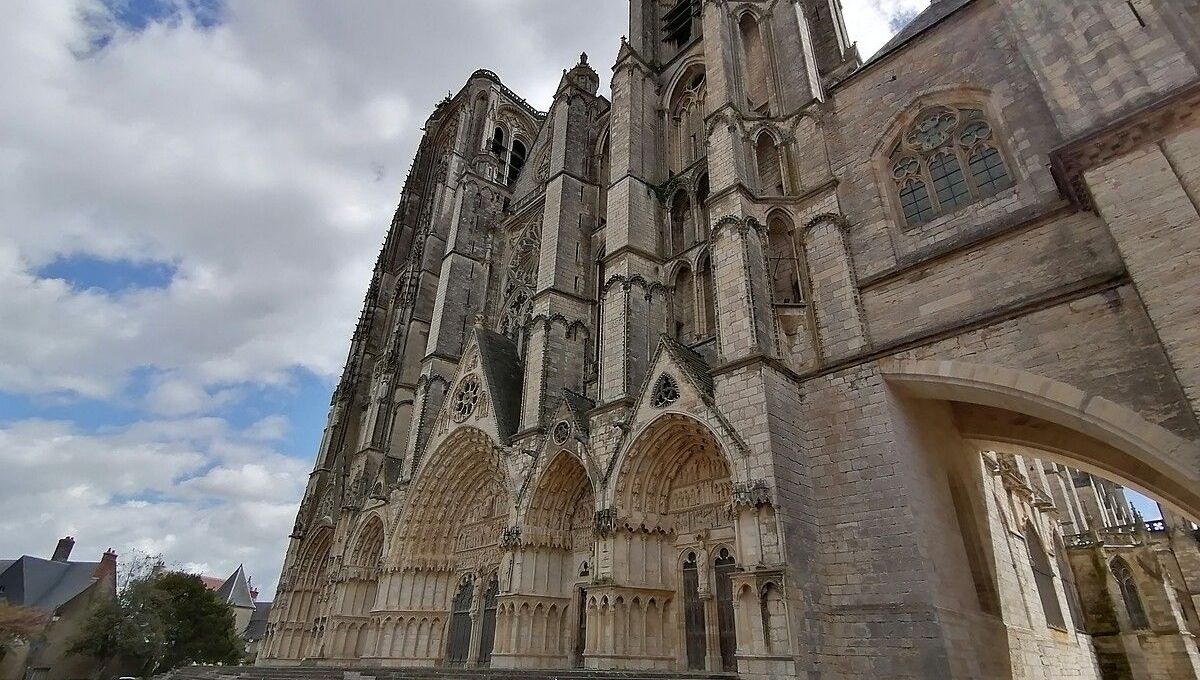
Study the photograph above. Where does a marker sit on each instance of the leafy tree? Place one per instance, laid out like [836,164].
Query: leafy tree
[160,622]
[18,624]
[200,627]
[129,632]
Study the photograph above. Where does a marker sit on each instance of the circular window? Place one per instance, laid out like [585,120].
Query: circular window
[466,399]
[562,432]
[666,392]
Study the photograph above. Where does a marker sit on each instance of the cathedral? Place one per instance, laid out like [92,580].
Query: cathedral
[779,363]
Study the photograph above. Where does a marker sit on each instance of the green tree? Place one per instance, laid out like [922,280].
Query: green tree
[200,627]
[128,632]
[160,622]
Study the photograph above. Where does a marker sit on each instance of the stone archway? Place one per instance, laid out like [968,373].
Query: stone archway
[296,635]
[672,495]
[353,598]
[551,561]
[997,405]
[975,440]
[449,533]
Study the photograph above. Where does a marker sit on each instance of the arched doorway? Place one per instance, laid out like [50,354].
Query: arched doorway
[354,593]
[539,625]
[673,543]
[997,457]
[295,637]
[448,537]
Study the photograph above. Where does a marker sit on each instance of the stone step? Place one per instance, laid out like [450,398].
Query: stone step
[440,673]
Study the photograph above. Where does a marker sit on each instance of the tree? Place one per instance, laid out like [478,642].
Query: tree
[200,627]
[129,631]
[158,623]
[18,624]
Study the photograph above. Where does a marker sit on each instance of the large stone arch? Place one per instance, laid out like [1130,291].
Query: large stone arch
[1009,407]
[671,494]
[449,532]
[295,635]
[551,561]
[353,597]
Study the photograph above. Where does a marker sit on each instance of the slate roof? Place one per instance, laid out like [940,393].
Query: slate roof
[44,584]
[935,13]
[692,364]
[236,590]
[579,406]
[505,375]
[257,628]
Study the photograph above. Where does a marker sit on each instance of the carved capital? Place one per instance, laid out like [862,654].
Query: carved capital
[755,493]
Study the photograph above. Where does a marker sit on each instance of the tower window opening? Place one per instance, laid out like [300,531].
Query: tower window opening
[677,23]
[516,162]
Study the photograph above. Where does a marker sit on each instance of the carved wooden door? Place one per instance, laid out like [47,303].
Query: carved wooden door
[723,567]
[581,633]
[487,635]
[693,615]
[459,647]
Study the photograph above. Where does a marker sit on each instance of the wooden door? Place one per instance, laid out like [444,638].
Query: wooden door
[581,633]
[487,635]
[693,615]
[723,567]
[459,647]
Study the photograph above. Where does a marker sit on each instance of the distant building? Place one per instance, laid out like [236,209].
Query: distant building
[67,591]
[249,616]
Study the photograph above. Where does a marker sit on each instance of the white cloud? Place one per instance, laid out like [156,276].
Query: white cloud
[262,159]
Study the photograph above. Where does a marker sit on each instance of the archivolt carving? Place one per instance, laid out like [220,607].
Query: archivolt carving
[458,505]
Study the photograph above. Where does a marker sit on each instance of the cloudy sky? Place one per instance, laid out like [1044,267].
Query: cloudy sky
[192,193]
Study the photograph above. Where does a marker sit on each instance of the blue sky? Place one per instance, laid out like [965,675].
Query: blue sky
[192,193]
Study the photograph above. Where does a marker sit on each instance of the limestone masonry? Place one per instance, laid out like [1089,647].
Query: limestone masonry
[781,363]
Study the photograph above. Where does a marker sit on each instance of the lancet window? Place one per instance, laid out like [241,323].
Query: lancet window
[687,141]
[946,159]
[1129,594]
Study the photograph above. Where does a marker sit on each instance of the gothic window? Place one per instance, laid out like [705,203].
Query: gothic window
[516,161]
[562,432]
[682,229]
[466,399]
[666,392]
[687,139]
[770,165]
[708,324]
[701,201]
[1043,578]
[604,178]
[755,67]
[685,306]
[785,265]
[946,159]
[499,145]
[1129,594]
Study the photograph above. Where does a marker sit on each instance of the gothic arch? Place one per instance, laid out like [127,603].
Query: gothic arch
[459,495]
[999,407]
[643,474]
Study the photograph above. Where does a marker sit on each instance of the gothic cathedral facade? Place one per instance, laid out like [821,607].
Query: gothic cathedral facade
[722,375]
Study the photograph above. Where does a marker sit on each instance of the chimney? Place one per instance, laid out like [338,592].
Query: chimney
[62,552]
[108,566]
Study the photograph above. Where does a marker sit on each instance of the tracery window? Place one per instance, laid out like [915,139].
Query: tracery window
[687,143]
[784,262]
[1129,594]
[466,399]
[948,158]
[666,392]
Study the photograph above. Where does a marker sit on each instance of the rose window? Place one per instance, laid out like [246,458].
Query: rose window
[562,432]
[666,392]
[466,399]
